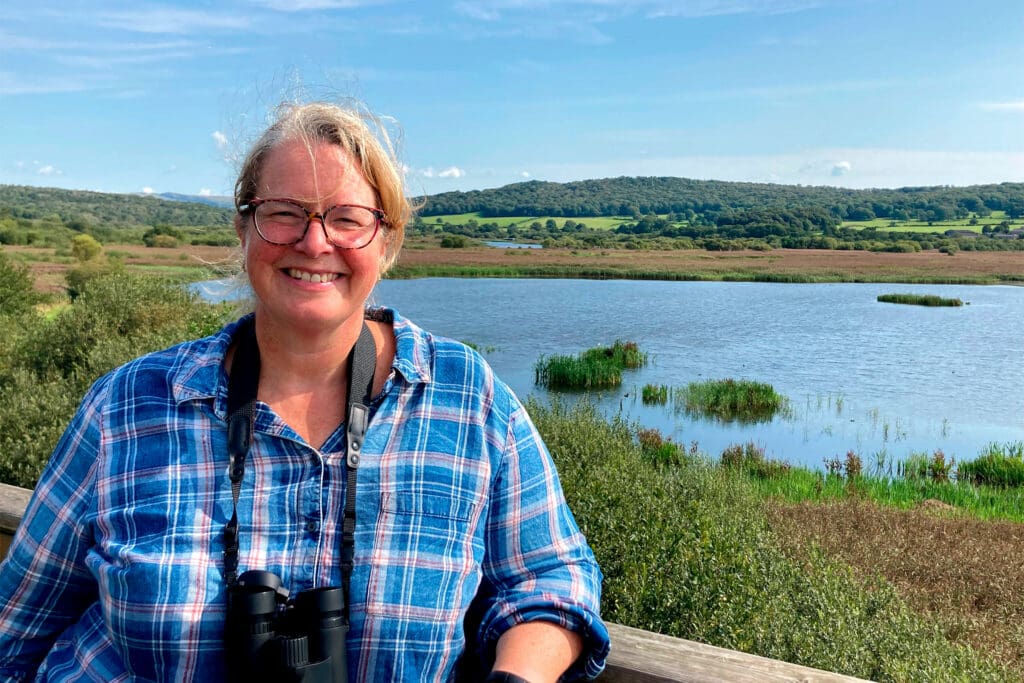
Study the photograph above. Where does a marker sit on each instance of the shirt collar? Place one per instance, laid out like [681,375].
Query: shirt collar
[204,376]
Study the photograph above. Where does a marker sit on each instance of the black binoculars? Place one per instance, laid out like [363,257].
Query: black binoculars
[271,638]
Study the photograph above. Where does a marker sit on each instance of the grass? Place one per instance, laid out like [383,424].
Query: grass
[732,400]
[596,368]
[919,300]
[596,222]
[689,549]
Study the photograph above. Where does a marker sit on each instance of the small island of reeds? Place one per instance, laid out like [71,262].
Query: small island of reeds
[597,368]
[919,300]
[730,399]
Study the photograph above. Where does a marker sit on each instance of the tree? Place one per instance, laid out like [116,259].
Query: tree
[85,248]
[16,293]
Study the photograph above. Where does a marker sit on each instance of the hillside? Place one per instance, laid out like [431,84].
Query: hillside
[630,196]
[80,209]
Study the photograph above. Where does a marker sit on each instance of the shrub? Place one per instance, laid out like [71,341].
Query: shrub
[46,365]
[85,248]
[16,293]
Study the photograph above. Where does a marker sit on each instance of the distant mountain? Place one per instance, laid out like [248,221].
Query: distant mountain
[223,202]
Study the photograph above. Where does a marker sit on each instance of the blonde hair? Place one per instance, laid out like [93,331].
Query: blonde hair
[358,133]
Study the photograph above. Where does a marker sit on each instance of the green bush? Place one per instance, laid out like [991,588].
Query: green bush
[687,551]
[16,293]
[46,365]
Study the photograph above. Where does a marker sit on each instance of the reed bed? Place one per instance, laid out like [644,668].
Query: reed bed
[919,300]
[597,368]
[730,399]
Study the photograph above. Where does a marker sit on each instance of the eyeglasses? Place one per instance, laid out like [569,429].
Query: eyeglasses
[285,222]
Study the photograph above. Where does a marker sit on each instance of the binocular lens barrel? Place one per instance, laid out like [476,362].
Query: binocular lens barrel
[269,640]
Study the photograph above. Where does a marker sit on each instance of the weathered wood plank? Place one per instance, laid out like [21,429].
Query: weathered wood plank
[13,501]
[644,657]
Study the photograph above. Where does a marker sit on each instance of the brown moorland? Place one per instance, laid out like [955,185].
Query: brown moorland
[849,266]
[966,573]
[983,267]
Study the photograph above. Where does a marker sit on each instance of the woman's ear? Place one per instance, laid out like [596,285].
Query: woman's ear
[240,222]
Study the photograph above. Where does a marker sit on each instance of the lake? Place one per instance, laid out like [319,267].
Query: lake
[881,379]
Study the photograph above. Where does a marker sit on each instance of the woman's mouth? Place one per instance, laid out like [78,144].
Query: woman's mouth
[306,276]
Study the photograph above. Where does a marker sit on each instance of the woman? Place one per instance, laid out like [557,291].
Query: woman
[465,557]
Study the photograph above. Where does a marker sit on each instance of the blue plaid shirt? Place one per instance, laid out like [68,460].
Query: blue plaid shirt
[116,573]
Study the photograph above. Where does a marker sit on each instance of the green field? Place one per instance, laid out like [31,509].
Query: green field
[940,227]
[596,222]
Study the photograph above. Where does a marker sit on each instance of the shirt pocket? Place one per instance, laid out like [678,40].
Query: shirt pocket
[425,560]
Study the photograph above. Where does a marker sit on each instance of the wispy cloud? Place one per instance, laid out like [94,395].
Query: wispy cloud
[304,5]
[495,10]
[451,172]
[169,20]
[1017,106]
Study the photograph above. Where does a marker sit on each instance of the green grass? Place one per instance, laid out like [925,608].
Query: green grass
[597,368]
[596,222]
[886,224]
[919,478]
[729,400]
[919,300]
[687,551]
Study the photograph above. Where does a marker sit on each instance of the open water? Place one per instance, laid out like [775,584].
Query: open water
[884,380]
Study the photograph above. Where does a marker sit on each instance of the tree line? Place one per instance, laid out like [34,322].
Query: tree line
[640,196]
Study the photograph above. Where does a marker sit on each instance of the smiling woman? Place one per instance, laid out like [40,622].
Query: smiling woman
[197,488]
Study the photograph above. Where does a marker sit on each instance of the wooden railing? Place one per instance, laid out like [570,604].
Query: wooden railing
[637,656]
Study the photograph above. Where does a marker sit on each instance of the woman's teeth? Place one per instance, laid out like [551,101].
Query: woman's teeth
[312,277]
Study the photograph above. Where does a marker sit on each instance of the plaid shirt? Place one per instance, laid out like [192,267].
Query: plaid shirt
[116,572]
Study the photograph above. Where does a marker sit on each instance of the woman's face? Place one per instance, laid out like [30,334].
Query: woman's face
[286,295]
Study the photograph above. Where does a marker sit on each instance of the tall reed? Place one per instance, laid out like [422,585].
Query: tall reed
[730,399]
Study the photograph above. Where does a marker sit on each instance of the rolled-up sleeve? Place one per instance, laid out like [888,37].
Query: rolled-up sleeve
[44,582]
[538,563]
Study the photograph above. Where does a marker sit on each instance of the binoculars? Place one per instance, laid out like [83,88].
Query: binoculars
[271,638]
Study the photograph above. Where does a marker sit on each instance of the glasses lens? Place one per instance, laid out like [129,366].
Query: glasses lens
[350,226]
[281,222]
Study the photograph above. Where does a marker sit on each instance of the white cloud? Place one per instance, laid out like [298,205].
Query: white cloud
[147,190]
[171,20]
[1003,106]
[524,174]
[451,172]
[205,192]
[427,172]
[300,5]
[220,139]
[841,168]
[48,170]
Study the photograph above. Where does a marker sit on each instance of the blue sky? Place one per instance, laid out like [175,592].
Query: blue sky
[162,96]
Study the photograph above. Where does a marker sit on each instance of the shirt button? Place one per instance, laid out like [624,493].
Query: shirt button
[311,525]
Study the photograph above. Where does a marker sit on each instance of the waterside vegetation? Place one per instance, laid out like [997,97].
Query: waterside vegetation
[692,549]
[919,300]
[597,368]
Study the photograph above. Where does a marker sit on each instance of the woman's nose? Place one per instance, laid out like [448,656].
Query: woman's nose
[314,242]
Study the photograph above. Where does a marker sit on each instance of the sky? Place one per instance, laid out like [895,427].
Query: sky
[163,96]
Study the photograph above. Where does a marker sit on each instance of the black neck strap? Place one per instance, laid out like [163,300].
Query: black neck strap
[243,384]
